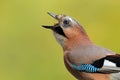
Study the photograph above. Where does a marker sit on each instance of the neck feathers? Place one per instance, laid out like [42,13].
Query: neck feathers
[76,37]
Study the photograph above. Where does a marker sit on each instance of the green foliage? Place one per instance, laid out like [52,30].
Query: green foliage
[30,52]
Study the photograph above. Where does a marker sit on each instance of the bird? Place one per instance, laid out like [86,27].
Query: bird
[82,57]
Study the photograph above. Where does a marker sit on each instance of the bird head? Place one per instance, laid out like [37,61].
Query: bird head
[67,30]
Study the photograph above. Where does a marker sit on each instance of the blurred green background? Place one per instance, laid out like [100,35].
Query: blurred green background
[30,52]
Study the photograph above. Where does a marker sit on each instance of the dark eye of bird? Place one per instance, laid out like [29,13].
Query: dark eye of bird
[66,21]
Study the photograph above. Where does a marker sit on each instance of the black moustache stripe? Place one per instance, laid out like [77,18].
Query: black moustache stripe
[59,30]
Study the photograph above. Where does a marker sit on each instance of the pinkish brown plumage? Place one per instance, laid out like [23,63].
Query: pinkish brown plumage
[82,57]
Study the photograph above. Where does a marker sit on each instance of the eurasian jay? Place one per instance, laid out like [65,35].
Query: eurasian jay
[82,57]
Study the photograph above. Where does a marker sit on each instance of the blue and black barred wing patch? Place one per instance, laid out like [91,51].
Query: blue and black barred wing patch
[108,64]
[86,68]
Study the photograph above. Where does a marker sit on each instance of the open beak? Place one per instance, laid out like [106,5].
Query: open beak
[56,28]
[54,16]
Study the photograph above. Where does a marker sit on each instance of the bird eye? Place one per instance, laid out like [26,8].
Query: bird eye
[66,22]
